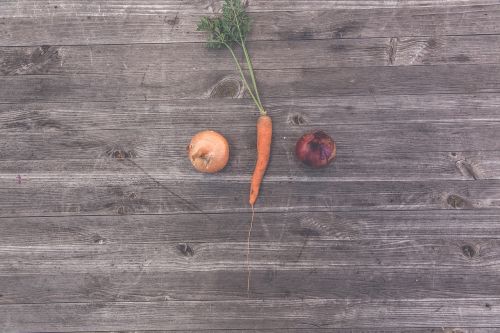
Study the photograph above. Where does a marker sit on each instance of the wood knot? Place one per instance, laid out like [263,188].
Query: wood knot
[173,21]
[120,154]
[296,119]
[469,251]
[185,249]
[227,88]
[488,306]
[456,201]
[97,239]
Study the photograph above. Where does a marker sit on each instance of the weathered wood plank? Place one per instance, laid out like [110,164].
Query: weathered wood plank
[283,227]
[34,8]
[147,195]
[287,112]
[172,142]
[136,58]
[325,82]
[362,166]
[179,26]
[306,255]
[254,314]
[97,59]
[347,282]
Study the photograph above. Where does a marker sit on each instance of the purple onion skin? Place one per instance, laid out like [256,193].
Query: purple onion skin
[316,149]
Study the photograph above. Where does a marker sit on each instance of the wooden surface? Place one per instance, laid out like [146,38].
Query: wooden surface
[106,227]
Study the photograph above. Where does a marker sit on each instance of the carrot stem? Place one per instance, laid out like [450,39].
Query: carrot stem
[245,82]
[256,96]
[252,76]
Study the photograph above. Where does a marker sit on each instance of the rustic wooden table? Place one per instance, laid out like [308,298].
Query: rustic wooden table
[105,226]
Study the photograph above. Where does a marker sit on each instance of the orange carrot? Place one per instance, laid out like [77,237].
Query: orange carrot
[264,135]
[229,30]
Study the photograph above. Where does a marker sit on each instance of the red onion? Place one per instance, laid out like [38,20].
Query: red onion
[316,149]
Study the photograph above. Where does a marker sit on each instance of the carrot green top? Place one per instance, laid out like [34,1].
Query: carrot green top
[229,29]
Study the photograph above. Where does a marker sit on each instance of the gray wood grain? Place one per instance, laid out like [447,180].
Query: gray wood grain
[293,113]
[96,59]
[146,195]
[252,314]
[441,254]
[329,255]
[282,227]
[172,142]
[106,227]
[325,82]
[362,166]
[366,283]
[191,57]
[74,29]
[33,8]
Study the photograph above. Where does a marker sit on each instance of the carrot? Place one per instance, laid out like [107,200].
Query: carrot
[228,30]
[264,134]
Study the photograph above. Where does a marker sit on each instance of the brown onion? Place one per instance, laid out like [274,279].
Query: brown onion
[316,149]
[208,151]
